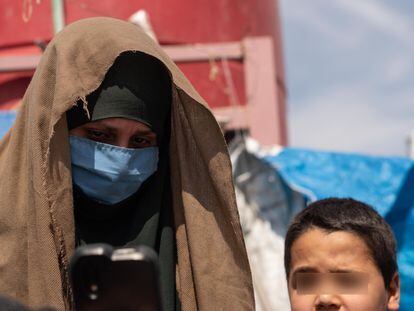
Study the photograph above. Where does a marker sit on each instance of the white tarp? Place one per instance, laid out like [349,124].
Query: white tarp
[266,206]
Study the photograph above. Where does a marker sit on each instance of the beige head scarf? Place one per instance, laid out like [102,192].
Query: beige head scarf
[36,214]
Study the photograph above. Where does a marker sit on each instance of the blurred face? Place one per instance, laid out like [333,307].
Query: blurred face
[120,132]
[334,271]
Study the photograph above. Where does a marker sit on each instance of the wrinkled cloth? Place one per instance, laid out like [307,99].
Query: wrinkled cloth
[37,234]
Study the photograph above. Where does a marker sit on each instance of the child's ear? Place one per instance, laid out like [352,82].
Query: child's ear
[394,293]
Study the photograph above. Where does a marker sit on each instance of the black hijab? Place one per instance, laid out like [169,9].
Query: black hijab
[137,87]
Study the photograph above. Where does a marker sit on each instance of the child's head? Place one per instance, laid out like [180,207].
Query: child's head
[341,254]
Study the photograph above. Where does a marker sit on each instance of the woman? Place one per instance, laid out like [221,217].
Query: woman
[182,202]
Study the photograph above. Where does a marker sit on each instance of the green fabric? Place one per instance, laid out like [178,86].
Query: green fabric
[116,101]
[145,218]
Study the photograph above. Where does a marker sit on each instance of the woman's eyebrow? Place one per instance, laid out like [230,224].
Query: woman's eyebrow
[100,126]
[103,126]
[144,132]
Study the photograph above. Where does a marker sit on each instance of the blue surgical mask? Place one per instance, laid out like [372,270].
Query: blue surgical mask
[110,174]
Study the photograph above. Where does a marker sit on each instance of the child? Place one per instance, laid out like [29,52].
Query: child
[340,254]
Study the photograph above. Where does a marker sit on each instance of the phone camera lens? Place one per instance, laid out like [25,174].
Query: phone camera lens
[93,292]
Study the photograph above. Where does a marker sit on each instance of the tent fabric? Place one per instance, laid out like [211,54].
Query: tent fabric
[386,183]
[36,210]
[266,205]
[374,180]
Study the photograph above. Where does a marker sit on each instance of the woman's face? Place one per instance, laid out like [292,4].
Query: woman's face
[119,132]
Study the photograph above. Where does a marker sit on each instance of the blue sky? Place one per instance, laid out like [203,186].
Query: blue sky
[350,74]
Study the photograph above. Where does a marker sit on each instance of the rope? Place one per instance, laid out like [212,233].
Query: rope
[234,97]
[27,10]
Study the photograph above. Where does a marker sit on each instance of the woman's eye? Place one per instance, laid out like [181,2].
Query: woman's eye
[140,142]
[97,135]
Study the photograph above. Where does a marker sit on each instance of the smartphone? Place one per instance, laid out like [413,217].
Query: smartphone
[106,278]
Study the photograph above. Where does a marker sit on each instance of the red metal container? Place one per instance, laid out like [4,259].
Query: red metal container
[173,21]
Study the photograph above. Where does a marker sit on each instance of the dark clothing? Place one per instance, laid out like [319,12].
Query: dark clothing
[137,87]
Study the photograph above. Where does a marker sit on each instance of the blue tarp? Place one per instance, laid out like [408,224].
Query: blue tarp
[386,183]
[6,121]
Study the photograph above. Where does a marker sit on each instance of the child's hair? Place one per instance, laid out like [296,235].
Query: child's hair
[352,216]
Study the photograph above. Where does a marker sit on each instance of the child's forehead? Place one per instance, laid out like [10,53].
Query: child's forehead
[325,251]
